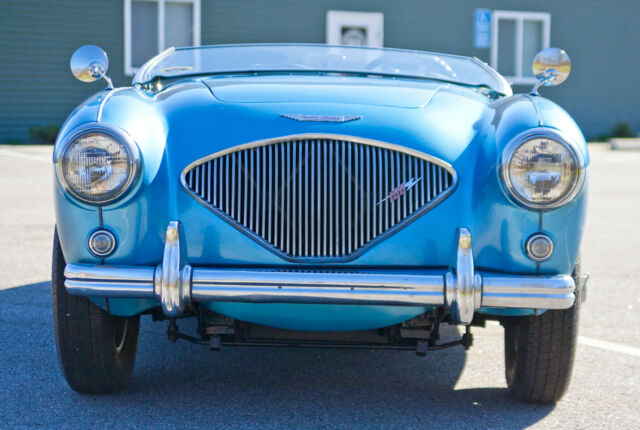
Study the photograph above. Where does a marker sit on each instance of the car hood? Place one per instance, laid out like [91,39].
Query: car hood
[191,119]
[436,118]
[370,91]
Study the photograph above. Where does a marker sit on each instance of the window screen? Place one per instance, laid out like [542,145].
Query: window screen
[178,24]
[144,31]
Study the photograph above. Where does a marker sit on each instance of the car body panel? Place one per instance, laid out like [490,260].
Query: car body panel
[277,89]
[195,117]
[310,317]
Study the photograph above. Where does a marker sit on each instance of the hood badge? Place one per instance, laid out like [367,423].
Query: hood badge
[400,190]
[321,118]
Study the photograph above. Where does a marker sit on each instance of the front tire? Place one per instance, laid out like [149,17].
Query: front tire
[539,354]
[96,350]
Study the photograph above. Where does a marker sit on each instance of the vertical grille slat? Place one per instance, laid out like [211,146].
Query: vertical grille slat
[232,207]
[300,194]
[343,203]
[361,209]
[384,172]
[330,199]
[270,192]
[197,184]
[324,230]
[319,197]
[308,185]
[251,187]
[245,188]
[404,190]
[287,243]
[347,176]
[283,185]
[368,187]
[263,183]
[416,198]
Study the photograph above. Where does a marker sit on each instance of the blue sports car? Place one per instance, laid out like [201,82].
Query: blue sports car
[318,196]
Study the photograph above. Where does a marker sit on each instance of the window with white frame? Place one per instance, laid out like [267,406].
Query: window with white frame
[516,38]
[151,26]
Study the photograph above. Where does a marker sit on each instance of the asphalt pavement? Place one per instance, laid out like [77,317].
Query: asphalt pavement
[183,385]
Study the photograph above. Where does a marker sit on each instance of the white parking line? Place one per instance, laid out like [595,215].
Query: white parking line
[609,346]
[597,343]
[24,156]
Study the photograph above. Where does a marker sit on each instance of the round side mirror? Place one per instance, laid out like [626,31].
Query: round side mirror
[89,63]
[551,66]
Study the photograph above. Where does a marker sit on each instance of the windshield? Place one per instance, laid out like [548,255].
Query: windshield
[308,58]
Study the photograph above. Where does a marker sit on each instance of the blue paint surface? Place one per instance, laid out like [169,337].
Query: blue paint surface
[318,317]
[191,119]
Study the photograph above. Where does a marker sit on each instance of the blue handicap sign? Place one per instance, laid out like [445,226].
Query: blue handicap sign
[482,28]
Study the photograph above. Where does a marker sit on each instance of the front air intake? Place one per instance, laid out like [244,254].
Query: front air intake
[319,197]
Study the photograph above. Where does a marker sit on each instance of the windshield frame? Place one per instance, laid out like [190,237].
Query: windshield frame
[144,76]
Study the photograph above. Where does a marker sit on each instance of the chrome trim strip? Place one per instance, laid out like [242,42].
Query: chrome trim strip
[104,101]
[497,76]
[321,118]
[541,132]
[413,280]
[134,274]
[255,286]
[175,285]
[337,137]
[546,292]
[121,290]
[336,205]
[415,288]
[537,108]
[559,284]
[346,295]
[141,76]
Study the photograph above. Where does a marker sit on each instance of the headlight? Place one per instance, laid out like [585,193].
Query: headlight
[541,170]
[97,164]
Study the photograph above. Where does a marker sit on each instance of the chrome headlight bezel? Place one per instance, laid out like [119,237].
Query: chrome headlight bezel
[130,146]
[541,133]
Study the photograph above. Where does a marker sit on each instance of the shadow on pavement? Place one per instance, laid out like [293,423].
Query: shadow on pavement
[186,385]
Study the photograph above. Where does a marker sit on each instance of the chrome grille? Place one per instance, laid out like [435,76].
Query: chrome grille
[319,197]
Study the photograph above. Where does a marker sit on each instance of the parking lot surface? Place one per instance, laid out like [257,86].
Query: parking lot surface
[183,385]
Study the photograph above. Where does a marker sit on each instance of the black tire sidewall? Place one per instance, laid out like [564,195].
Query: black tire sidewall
[85,337]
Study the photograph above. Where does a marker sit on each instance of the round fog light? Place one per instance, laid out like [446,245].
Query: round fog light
[539,247]
[102,243]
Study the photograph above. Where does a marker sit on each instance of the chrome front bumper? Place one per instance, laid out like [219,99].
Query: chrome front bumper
[461,290]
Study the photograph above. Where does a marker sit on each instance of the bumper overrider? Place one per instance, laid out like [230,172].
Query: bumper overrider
[461,290]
